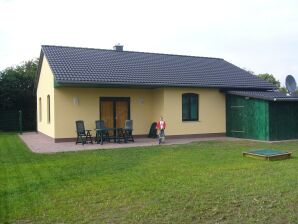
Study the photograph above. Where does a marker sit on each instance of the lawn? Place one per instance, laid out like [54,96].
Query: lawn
[203,182]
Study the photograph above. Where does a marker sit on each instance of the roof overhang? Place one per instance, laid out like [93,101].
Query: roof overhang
[266,95]
[86,84]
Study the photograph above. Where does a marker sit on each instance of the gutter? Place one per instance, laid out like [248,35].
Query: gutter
[285,99]
[72,83]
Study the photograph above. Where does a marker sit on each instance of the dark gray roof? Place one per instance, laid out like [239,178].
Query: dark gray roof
[268,95]
[78,66]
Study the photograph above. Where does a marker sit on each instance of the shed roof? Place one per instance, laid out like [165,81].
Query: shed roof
[80,66]
[266,95]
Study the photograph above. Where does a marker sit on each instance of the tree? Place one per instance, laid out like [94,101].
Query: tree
[270,78]
[17,90]
[283,89]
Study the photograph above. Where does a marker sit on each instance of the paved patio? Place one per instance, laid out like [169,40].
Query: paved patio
[40,143]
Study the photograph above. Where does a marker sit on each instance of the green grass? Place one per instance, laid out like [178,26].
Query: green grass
[204,182]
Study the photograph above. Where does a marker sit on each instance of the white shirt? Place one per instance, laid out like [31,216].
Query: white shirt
[162,124]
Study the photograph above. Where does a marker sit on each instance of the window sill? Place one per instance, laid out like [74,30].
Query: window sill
[190,121]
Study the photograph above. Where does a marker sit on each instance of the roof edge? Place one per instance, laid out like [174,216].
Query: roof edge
[151,85]
[273,99]
[40,62]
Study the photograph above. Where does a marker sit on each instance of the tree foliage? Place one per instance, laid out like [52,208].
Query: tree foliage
[283,89]
[270,78]
[17,90]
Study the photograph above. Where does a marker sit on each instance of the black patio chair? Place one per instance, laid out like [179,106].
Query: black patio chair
[102,134]
[127,131]
[83,135]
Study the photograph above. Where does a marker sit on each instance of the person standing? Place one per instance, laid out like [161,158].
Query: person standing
[160,126]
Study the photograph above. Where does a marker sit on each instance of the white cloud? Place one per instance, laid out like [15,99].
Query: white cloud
[261,35]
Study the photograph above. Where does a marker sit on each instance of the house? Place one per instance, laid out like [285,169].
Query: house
[114,85]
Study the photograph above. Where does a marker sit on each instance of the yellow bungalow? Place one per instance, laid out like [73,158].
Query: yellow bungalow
[115,85]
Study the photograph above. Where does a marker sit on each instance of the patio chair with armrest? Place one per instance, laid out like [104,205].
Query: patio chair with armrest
[102,134]
[83,135]
[127,131]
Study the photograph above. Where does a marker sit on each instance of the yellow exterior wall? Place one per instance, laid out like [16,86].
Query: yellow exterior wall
[45,87]
[212,118]
[146,106]
[158,104]
[88,108]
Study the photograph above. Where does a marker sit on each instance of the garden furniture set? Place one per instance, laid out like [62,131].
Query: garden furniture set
[103,133]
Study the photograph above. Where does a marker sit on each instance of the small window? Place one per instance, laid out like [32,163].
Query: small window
[40,108]
[190,102]
[49,108]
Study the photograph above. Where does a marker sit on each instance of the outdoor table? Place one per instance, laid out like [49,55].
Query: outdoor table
[117,135]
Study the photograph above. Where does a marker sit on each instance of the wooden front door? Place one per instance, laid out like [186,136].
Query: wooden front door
[114,111]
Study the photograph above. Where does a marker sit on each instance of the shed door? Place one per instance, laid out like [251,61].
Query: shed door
[238,120]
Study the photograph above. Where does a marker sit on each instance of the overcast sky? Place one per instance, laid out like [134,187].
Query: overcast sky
[261,36]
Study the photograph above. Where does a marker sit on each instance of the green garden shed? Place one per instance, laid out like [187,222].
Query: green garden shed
[269,116]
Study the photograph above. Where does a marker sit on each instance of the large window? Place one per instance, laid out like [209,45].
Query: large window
[190,107]
[49,108]
[40,108]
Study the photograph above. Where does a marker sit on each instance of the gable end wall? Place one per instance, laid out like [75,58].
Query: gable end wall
[45,87]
